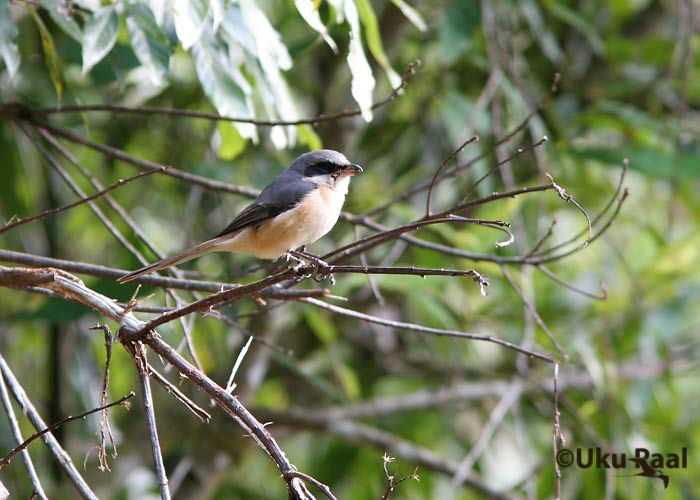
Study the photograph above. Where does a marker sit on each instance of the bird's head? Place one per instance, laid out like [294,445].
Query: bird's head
[326,166]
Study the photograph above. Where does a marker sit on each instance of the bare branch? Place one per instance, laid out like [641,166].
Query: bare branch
[18,222]
[149,110]
[439,170]
[420,328]
[17,435]
[54,446]
[138,354]
[123,401]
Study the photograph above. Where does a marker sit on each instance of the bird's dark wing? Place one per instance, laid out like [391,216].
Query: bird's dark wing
[283,193]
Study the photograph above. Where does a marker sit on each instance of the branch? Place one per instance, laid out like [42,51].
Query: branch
[148,110]
[17,435]
[138,354]
[425,329]
[123,401]
[52,443]
[13,222]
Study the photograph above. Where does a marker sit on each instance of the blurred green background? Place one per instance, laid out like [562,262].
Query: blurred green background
[630,88]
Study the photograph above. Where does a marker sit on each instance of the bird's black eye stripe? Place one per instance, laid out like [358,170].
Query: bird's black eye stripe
[322,168]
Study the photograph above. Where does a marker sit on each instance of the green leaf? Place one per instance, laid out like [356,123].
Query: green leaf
[309,137]
[99,36]
[8,35]
[190,18]
[226,86]
[69,26]
[309,11]
[320,325]
[374,39]
[144,35]
[411,14]
[666,165]
[349,381]
[232,144]
[363,81]
[50,55]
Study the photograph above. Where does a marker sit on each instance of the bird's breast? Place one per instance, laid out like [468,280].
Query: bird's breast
[301,225]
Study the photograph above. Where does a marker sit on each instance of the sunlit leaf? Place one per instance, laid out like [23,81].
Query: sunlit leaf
[308,136]
[8,35]
[411,14]
[190,18]
[232,144]
[99,36]
[362,79]
[374,38]
[50,55]
[225,86]
[145,40]
[309,11]
[272,59]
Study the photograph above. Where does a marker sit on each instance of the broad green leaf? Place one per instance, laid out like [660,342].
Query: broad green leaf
[224,85]
[374,39]
[50,55]
[267,39]
[190,20]
[145,40]
[8,35]
[232,144]
[69,26]
[667,165]
[308,136]
[309,11]
[99,36]
[411,14]
[272,59]
[236,29]
[363,81]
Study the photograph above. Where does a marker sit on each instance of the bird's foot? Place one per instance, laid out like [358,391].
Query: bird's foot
[302,258]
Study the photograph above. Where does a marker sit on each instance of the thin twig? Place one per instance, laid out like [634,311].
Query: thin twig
[424,329]
[17,435]
[179,395]
[532,310]
[105,427]
[310,479]
[149,110]
[52,443]
[121,401]
[439,170]
[18,222]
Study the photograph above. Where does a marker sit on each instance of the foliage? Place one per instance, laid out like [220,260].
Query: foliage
[630,88]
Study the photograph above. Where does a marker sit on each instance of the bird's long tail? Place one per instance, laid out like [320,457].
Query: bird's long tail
[179,258]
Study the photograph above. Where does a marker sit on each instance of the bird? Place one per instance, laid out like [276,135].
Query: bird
[649,471]
[298,207]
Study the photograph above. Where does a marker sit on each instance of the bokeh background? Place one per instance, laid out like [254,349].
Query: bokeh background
[629,88]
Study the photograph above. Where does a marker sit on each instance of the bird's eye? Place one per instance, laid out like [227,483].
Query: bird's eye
[335,176]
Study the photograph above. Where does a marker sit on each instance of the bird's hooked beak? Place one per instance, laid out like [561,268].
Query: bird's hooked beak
[351,169]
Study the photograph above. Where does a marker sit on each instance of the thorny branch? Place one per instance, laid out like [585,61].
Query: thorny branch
[52,276]
[123,401]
